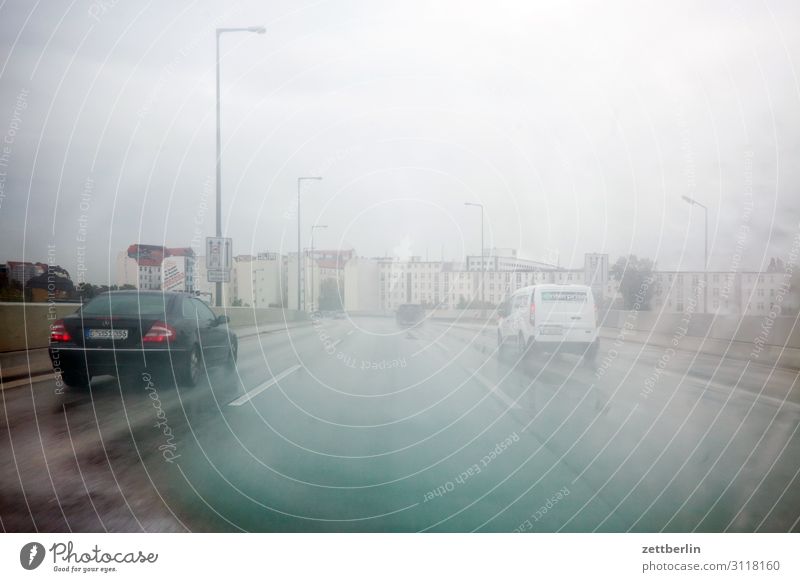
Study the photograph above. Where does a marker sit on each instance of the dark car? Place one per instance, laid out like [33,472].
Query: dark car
[410,314]
[127,331]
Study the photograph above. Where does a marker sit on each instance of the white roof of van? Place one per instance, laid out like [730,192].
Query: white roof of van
[555,286]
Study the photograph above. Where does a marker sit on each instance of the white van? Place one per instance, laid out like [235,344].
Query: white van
[549,318]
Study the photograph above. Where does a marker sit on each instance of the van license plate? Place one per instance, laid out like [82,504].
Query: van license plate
[552,330]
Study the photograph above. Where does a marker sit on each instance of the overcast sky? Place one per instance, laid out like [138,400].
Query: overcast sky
[579,126]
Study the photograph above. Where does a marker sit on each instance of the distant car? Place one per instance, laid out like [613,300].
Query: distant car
[410,314]
[549,318]
[340,314]
[126,331]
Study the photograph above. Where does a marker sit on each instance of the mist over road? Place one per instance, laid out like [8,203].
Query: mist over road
[359,425]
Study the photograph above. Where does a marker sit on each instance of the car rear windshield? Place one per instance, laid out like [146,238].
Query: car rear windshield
[578,296]
[409,309]
[126,304]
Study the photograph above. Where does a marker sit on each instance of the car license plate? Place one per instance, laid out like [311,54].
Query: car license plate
[551,330]
[106,334]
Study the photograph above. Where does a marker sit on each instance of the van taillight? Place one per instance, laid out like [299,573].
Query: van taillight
[59,333]
[160,332]
[533,314]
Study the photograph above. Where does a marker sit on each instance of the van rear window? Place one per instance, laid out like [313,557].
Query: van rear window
[563,296]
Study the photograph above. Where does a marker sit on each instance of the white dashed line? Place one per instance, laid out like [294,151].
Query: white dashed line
[495,389]
[259,389]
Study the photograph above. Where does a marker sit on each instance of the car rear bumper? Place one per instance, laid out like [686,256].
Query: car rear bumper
[112,361]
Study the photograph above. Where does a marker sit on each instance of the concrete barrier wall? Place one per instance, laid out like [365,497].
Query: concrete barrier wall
[770,341]
[782,331]
[249,316]
[27,325]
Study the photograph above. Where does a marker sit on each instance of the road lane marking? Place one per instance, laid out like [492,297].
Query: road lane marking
[495,389]
[259,389]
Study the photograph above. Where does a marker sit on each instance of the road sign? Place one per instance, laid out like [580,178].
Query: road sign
[219,253]
[219,276]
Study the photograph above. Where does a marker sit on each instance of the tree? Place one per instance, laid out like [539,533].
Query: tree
[12,291]
[85,291]
[329,297]
[635,278]
[776,265]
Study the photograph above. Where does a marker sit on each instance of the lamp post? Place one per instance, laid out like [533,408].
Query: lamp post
[255,285]
[220,32]
[694,202]
[483,265]
[299,249]
[313,228]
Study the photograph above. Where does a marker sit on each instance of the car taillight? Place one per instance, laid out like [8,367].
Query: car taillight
[59,333]
[160,332]
[533,314]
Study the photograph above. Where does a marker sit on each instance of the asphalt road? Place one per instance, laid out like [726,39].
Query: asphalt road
[357,425]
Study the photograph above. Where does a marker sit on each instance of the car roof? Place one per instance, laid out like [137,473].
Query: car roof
[147,292]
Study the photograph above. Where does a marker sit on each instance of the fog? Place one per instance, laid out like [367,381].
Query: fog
[578,126]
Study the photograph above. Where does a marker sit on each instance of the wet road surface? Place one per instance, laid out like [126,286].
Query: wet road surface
[358,425]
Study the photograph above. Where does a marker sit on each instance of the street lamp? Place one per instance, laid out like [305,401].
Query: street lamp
[483,265]
[220,32]
[313,228]
[694,202]
[299,249]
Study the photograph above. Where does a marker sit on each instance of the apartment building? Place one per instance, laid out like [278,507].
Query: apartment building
[502,259]
[453,285]
[724,292]
[22,271]
[155,267]
[256,281]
